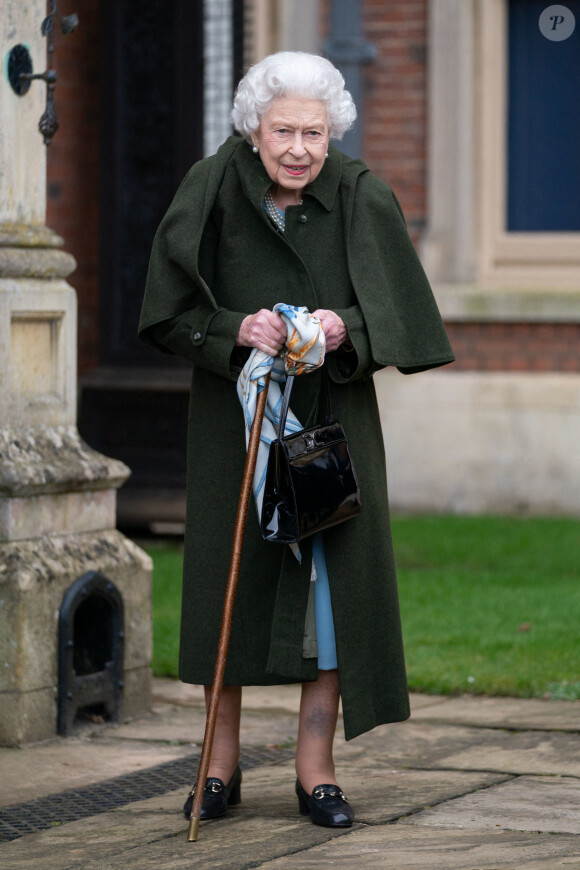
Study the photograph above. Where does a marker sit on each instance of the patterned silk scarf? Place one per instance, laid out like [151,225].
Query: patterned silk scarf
[302,353]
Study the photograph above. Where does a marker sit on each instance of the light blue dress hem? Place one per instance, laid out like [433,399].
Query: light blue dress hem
[325,637]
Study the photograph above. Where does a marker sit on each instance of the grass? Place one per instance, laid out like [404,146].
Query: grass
[168,561]
[489,605]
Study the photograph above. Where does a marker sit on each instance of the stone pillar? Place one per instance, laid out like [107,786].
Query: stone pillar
[57,496]
[448,248]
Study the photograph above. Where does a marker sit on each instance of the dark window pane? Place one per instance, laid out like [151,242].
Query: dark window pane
[543,123]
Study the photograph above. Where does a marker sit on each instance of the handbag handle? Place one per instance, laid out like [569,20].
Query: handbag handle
[286,402]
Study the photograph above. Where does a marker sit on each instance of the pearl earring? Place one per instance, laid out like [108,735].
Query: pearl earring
[326,155]
[255,149]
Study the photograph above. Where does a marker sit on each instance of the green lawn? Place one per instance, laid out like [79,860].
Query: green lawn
[167,560]
[489,605]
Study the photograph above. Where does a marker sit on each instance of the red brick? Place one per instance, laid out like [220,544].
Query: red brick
[516,346]
[73,167]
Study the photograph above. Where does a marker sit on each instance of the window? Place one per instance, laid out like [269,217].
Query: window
[543,117]
[528,130]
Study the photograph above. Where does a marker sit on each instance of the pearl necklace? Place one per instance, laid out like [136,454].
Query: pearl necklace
[277,215]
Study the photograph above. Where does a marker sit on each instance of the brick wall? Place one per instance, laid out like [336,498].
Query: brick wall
[516,347]
[394,110]
[73,167]
[394,136]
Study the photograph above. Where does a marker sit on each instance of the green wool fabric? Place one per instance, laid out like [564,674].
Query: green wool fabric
[215,259]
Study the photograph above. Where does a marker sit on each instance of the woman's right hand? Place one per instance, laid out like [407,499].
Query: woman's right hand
[264,330]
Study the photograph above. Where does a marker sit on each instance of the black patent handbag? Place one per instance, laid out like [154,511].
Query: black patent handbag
[311,483]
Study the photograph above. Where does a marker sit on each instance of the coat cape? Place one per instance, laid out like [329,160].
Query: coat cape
[215,259]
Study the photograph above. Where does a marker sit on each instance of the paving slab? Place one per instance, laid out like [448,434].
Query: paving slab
[272,698]
[378,797]
[152,833]
[171,731]
[457,786]
[511,713]
[428,744]
[179,724]
[284,698]
[71,763]
[419,700]
[528,803]
[403,743]
[413,744]
[532,752]
[402,848]
[382,796]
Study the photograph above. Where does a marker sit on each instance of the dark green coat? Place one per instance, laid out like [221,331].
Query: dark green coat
[217,258]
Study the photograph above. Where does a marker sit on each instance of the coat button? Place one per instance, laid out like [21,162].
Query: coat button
[302,218]
[197,336]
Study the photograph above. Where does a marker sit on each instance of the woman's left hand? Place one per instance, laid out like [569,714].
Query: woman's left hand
[334,328]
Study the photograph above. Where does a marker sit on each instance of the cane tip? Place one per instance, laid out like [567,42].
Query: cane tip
[192,830]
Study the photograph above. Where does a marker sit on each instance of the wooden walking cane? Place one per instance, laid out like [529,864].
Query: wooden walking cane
[224,640]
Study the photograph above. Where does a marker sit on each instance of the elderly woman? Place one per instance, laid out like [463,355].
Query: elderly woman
[280,215]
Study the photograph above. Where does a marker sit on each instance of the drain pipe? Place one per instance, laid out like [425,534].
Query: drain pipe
[347,48]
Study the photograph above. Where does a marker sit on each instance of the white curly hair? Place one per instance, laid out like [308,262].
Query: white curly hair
[297,73]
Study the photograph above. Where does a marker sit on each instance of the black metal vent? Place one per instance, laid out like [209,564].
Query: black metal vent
[90,651]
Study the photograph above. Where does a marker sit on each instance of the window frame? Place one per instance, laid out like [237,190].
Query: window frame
[549,259]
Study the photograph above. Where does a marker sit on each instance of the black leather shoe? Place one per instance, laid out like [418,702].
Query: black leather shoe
[327,805]
[216,796]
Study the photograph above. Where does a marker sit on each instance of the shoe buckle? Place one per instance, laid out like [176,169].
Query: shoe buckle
[320,792]
[214,787]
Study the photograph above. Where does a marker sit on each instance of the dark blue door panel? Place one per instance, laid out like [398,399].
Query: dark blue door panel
[543,123]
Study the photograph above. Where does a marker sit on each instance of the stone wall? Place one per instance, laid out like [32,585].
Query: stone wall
[482,442]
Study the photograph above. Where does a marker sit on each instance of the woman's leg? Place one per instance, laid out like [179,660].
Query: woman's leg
[225,752]
[317,725]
